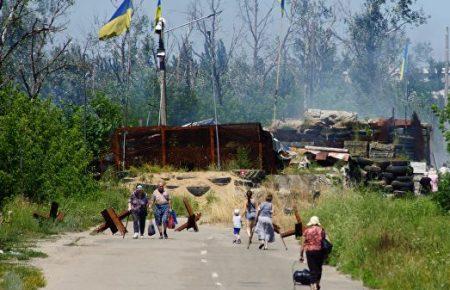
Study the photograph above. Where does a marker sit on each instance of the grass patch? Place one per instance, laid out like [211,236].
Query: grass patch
[389,244]
[21,229]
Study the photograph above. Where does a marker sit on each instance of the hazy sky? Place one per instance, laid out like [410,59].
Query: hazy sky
[82,17]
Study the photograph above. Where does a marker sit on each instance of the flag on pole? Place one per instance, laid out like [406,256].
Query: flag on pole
[404,62]
[119,22]
[158,13]
[282,5]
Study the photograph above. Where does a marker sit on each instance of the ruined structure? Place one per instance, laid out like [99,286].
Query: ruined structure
[193,147]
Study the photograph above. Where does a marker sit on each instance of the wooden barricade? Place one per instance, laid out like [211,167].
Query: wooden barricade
[113,222]
[54,214]
[103,227]
[192,218]
[298,229]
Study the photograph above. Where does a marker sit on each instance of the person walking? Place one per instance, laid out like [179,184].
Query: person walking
[250,212]
[162,207]
[312,246]
[264,227]
[237,224]
[137,204]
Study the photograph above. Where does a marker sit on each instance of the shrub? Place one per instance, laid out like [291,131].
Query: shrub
[42,156]
[442,197]
[389,244]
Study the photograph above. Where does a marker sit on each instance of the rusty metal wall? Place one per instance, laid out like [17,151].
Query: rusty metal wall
[193,147]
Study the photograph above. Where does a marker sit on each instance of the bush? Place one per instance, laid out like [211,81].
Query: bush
[389,244]
[442,197]
[42,156]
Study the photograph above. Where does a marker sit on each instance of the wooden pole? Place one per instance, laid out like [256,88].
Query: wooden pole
[446,65]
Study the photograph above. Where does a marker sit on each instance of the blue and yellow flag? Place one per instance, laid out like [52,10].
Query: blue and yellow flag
[282,5]
[404,62]
[119,22]
[158,13]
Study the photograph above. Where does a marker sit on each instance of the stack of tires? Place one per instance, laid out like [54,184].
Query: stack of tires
[392,176]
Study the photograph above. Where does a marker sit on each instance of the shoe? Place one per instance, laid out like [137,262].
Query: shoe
[135,236]
[166,237]
[161,237]
[238,241]
[234,242]
[261,246]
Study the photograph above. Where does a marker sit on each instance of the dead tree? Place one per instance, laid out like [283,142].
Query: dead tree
[28,32]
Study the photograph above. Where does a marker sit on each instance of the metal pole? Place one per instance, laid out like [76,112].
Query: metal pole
[277,87]
[446,65]
[214,93]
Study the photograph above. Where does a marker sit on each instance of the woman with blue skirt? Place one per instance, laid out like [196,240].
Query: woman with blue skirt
[162,207]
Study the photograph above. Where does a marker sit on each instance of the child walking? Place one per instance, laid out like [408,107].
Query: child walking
[237,224]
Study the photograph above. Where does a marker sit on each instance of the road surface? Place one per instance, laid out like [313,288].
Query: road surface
[188,260]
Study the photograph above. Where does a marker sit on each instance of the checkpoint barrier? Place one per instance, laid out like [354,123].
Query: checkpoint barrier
[298,229]
[192,218]
[54,214]
[113,221]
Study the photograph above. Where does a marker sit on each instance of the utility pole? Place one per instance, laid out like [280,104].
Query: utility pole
[161,55]
[446,65]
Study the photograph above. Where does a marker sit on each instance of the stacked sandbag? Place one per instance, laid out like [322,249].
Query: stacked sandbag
[381,151]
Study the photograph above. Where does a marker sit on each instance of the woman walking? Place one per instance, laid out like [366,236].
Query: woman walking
[250,212]
[137,204]
[162,206]
[264,227]
[312,245]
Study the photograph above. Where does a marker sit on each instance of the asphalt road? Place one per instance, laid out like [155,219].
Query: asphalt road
[187,260]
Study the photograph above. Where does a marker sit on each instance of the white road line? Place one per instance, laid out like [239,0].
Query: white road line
[204,252]
[219,284]
[214,275]
[204,261]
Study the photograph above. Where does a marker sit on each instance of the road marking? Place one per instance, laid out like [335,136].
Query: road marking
[204,252]
[204,261]
[214,275]
[219,284]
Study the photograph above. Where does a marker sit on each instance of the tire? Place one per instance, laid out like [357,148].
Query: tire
[372,168]
[402,186]
[399,170]
[382,164]
[400,163]
[363,162]
[404,178]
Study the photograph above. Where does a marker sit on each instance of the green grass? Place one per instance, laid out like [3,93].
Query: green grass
[389,244]
[19,232]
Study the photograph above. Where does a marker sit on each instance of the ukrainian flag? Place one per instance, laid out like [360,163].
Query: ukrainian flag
[404,62]
[282,4]
[119,22]
[158,13]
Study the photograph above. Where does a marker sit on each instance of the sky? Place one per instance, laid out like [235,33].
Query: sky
[85,11]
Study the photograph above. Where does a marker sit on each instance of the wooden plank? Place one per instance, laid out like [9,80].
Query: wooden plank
[186,225]
[109,222]
[54,210]
[117,222]
[104,226]
[188,206]
[326,149]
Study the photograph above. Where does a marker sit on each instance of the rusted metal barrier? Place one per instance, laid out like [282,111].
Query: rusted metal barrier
[113,222]
[54,214]
[192,218]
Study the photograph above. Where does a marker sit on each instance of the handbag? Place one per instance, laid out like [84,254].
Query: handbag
[151,229]
[327,246]
[170,222]
[302,277]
